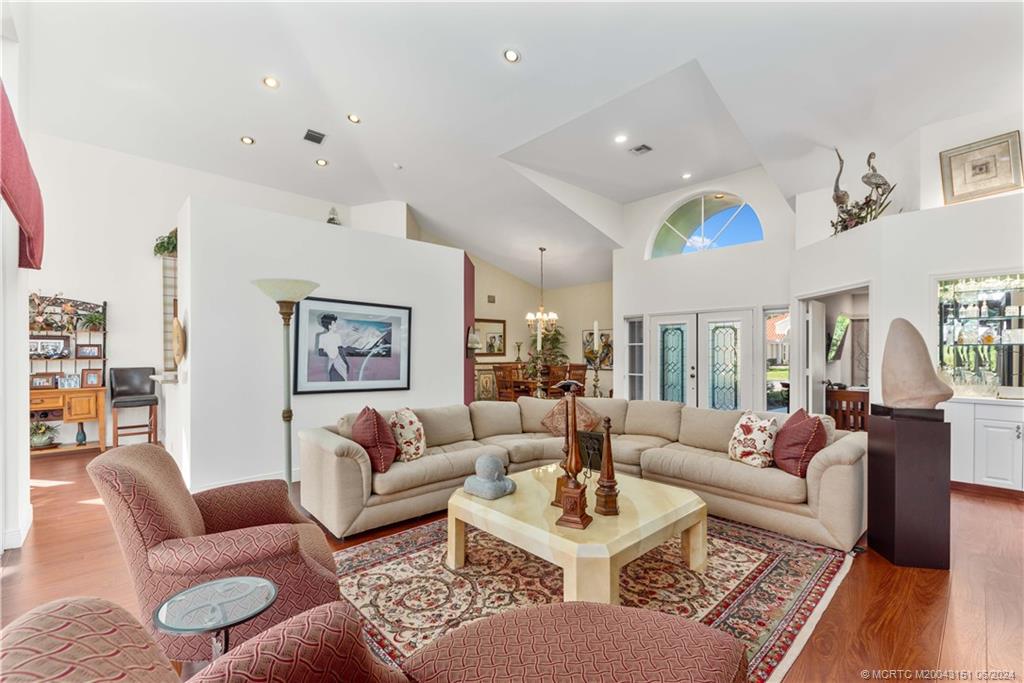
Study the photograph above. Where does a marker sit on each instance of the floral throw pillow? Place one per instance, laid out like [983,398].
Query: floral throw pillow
[586,419]
[753,440]
[408,431]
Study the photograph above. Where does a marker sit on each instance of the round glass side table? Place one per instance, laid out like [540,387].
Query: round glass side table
[214,607]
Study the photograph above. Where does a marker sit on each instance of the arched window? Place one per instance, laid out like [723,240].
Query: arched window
[709,221]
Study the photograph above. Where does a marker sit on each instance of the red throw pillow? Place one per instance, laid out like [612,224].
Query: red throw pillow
[372,432]
[555,421]
[797,442]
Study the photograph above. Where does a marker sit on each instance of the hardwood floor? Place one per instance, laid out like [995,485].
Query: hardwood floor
[882,617]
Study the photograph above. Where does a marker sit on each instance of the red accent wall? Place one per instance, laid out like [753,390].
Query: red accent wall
[469,319]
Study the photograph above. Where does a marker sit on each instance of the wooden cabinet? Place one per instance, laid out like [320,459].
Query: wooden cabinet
[999,453]
[77,405]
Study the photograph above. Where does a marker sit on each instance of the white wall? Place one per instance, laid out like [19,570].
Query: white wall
[387,218]
[104,209]
[231,381]
[745,276]
[912,165]
[15,495]
[901,258]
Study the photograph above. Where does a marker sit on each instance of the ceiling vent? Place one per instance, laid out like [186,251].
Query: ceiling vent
[314,136]
[640,149]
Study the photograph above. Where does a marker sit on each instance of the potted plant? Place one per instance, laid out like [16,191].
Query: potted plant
[92,321]
[41,434]
[552,352]
[167,245]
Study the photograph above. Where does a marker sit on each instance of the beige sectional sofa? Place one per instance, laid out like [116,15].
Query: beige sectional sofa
[657,440]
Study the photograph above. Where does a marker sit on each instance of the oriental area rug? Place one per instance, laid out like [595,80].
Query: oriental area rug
[766,589]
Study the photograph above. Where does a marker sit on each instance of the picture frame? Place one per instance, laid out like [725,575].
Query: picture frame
[69,382]
[492,335]
[43,380]
[92,378]
[486,385]
[345,345]
[980,169]
[87,351]
[603,358]
[49,347]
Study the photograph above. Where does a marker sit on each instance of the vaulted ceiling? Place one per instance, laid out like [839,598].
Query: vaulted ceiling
[712,88]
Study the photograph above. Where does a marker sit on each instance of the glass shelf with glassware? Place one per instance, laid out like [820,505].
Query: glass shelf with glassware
[981,332]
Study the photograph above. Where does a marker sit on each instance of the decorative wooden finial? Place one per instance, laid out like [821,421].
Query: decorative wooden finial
[574,494]
[607,490]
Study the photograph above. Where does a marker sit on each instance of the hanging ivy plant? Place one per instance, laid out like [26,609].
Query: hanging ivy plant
[166,245]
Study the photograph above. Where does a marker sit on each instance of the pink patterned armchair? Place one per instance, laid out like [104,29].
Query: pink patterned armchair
[173,540]
[89,639]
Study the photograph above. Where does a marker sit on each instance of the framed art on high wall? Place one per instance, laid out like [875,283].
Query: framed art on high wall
[351,346]
[981,168]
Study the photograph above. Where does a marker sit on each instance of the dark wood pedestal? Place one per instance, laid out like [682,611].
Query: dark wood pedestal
[908,486]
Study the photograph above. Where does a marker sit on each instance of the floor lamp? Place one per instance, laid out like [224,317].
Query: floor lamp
[286,293]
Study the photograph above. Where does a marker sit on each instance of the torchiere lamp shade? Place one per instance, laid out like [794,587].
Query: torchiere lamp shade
[286,290]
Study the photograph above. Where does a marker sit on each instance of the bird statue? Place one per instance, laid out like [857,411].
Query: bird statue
[840,197]
[873,178]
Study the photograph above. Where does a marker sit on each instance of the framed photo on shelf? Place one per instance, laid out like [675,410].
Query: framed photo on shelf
[86,351]
[492,336]
[92,377]
[49,347]
[982,168]
[69,382]
[43,380]
[351,346]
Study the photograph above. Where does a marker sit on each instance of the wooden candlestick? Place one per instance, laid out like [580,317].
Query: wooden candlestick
[560,482]
[574,494]
[607,491]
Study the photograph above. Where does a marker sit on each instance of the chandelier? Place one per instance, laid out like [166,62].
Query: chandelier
[541,321]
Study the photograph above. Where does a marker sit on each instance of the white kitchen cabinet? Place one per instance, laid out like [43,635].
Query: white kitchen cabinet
[999,453]
[960,416]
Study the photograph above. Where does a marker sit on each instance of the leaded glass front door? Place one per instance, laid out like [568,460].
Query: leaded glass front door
[725,360]
[674,365]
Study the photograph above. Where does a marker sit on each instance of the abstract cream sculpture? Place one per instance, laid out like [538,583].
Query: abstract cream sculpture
[908,378]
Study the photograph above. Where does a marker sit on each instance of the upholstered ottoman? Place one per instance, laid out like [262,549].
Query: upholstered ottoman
[581,641]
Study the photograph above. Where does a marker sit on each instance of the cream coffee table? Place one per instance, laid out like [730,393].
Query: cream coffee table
[649,514]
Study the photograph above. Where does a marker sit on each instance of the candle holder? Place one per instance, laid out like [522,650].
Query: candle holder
[607,489]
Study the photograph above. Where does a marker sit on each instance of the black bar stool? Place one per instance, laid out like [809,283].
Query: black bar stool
[133,388]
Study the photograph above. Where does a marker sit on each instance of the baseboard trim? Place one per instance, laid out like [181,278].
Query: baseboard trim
[15,538]
[990,491]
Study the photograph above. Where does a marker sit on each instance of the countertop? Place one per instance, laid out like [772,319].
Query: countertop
[988,400]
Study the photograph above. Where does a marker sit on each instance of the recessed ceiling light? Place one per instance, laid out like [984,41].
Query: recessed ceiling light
[321,162]
[246,140]
[398,166]
[271,82]
[620,138]
[719,196]
[512,56]
[687,176]
[354,118]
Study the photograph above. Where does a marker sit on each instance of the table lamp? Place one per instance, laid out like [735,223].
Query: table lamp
[286,293]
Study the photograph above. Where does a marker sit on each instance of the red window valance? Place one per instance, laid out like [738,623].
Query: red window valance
[19,188]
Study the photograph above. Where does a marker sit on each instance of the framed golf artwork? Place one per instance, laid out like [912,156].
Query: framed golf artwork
[351,346]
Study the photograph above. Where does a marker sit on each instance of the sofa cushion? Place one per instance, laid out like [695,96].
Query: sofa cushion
[452,447]
[556,420]
[373,433]
[626,448]
[408,431]
[615,408]
[528,447]
[654,418]
[707,428]
[446,424]
[753,439]
[798,442]
[532,411]
[433,468]
[714,468]
[491,418]
[827,421]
